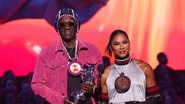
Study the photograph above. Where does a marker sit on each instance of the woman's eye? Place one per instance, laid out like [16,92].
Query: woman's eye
[125,42]
[115,43]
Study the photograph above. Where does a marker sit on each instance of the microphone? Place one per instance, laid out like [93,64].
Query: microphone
[100,69]
[98,90]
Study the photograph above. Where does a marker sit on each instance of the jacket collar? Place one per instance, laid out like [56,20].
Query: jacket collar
[81,46]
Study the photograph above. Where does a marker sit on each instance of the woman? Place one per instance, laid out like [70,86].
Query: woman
[127,81]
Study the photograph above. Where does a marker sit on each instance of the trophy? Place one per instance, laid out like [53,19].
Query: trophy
[87,77]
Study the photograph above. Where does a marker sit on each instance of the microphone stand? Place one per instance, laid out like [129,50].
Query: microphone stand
[99,89]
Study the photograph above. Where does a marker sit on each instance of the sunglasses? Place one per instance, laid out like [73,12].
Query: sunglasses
[67,25]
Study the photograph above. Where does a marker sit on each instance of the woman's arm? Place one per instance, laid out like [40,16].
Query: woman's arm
[152,89]
[104,94]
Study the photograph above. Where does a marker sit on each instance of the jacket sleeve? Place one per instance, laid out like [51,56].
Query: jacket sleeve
[39,83]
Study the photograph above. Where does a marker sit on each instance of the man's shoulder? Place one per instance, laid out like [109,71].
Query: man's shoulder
[50,47]
[87,44]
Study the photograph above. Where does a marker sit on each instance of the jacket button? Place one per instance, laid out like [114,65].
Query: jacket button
[62,81]
[63,94]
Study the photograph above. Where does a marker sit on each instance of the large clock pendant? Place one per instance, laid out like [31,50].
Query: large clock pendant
[122,83]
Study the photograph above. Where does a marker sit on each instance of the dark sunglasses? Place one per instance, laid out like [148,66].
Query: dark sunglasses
[67,25]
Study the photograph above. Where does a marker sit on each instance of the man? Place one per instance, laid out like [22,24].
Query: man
[59,66]
[165,78]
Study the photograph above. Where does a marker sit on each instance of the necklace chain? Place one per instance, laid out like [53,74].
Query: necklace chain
[76,44]
[124,69]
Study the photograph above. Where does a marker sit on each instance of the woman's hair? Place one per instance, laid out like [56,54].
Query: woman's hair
[113,34]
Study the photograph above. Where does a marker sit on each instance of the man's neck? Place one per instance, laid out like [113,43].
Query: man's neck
[69,44]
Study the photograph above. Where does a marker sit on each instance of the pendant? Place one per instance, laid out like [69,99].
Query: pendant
[74,68]
[122,83]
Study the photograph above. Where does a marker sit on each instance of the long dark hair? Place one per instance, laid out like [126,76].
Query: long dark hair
[113,34]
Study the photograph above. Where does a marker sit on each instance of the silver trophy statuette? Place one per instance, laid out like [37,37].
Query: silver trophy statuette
[87,75]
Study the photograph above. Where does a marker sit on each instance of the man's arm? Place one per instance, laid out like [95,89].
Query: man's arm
[39,84]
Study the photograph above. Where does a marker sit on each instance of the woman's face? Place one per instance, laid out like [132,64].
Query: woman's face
[67,28]
[120,45]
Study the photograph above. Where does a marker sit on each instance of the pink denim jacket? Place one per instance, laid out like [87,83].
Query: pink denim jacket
[50,74]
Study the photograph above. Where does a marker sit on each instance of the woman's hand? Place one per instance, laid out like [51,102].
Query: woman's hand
[67,101]
[87,87]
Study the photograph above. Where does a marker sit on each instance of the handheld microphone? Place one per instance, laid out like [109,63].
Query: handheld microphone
[98,90]
[100,69]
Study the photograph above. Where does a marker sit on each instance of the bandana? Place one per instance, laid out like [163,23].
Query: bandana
[66,12]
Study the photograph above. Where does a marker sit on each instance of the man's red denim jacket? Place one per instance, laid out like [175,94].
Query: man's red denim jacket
[50,74]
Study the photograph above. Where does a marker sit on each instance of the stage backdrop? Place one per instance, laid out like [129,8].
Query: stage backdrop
[153,26]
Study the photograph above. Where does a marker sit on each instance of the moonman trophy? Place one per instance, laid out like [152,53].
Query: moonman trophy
[88,77]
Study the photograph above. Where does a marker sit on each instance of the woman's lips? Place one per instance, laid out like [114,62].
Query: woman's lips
[122,52]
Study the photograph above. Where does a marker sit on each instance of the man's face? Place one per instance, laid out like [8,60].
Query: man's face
[67,28]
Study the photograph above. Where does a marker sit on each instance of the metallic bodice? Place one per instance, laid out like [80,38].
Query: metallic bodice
[137,89]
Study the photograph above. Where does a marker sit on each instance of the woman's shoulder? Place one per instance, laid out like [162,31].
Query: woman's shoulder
[107,70]
[143,65]
[109,67]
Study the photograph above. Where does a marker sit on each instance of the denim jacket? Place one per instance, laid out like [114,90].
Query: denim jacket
[50,74]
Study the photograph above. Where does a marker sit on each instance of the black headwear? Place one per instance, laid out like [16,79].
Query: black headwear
[64,12]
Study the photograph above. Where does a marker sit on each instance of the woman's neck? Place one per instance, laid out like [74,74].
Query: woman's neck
[122,61]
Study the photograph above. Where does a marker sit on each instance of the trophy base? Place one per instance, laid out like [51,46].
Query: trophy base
[77,99]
